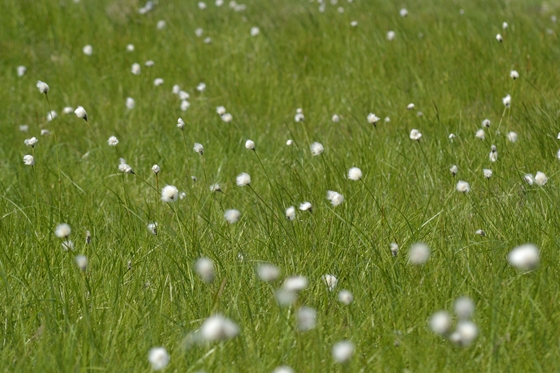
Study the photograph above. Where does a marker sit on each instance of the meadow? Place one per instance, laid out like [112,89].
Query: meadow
[279,186]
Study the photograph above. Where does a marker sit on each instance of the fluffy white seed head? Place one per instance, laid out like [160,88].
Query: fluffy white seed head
[331,281]
[185,105]
[468,331]
[305,206]
[529,179]
[499,38]
[201,87]
[215,187]
[268,272]
[283,369]
[504,25]
[419,253]
[487,173]
[541,179]
[306,319]
[493,156]
[42,87]
[130,48]
[525,257]
[415,135]
[159,358]
[255,31]
[512,136]
[316,148]
[204,267]
[291,213]
[62,230]
[410,106]
[221,110]
[250,145]
[156,169]
[199,32]
[82,262]
[345,297]
[149,63]
[373,119]
[180,123]
[227,117]
[514,74]
[464,308]
[454,169]
[45,132]
[390,35]
[183,95]
[232,216]
[403,12]
[463,187]
[335,198]
[158,82]
[290,142]
[169,193]
[507,101]
[88,50]
[480,134]
[81,113]
[295,283]
[285,297]
[51,115]
[335,118]
[161,24]
[243,179]
[130,103]
[21,70]
[135,69]
[394,249]
[342,351]
[28,160]
[152,228]
[198,148]
[354,174]
[31,142]
[112,141]
[440,322]
[217,328]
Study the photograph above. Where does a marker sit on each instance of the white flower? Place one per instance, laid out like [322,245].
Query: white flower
[215,187]
[299,117]
[467,331]
[440,322]
[255,31]
[130,48]
[135,68]
[499,38]
[335,118]
[285,297]
[306,319]
[283,369]
[201,5]
[463,187]
[68,110]
[169,193]
[330,280]
[295,283]
[227,117]
[182,195]
[81,113]
[394,249]
[452,136]
[130,103]
[345,297]
[373,119]
[305,206]
[161,24]
[454,169]
[343,351]
[198,32]
[514,74]
[62,230]
[480,232]
[486,123]
[42,87]
[480,134]
[335,198]
[487,173]
[183,95]
[268,272]
[493,154]
[159,358]
[403,12]
[512,136]
[419,253]
[45,132]
[410,106]
[316,148]
[507,101]
[88,50]
[221,110]
[82,262]
[504,25]
[524,257]
[156,170]
[291,142]
[217,328]
[149,63]
[180,123]
[540,178]
[21,70]
[152,228]
[243,179]
[464,308]
[415,135]
[354,174]
[113,141]
[250,145]
[123,167]
[51,115]
[208,40]
[201,87]
[176,89]
[185,105]
[158,82]
[529,179]
[204,267]
[291,213]
[31,142]
[28,160]
[390,35]
[219,3]
[232,216]
[198,148]
[354,23]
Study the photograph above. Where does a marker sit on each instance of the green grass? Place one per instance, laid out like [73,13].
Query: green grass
[141,290]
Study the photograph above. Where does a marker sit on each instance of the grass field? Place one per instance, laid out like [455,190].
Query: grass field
[103,304]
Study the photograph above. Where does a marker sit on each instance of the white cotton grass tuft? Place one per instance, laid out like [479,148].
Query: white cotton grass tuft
[232,216]
[250,145]
[268,272]
[335,198]
[499,38]
[463,187]
[373,119]
[169,193]
[124,167]
[161,24]
[21,70]
[255,31]
[454,169]
[112,141]
[525,257]
[415,135]
[487,173]
[135,69]
[152,228]
[291,213]
[42,87]
[529,179]
[183,95]
[306,319]
[227,117]
[541,179]
[28,160]
[285,297]
[390,35]
[306,206]
[507,101]
[419,253]
[467,332]
[410,106]
[159,358]
[394,249]
[62,230]
[130,103]
[130,47]
[243,179]
[403,12]
[331,281]
[176,89]
[486,123]
[149,63]
[289,142]
[504,25]
[198,148]
[31,142]
[512,136]
[218,328]
[45,132]
[299,117]
[180,123]
[221,110]
[295,283]
[81,113]
[204,268]
[82,262]
[480,134]
[335,118]
[199,32]
[480,232]
[283,369]
[158,82]
[215,188]
[343,351]
[201,87]
[493,156]
[185,105]
[156,169]
[88,50]
[354,174]
[514,74]
[345,297]
[316,148]
[440,322]
[464,308]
